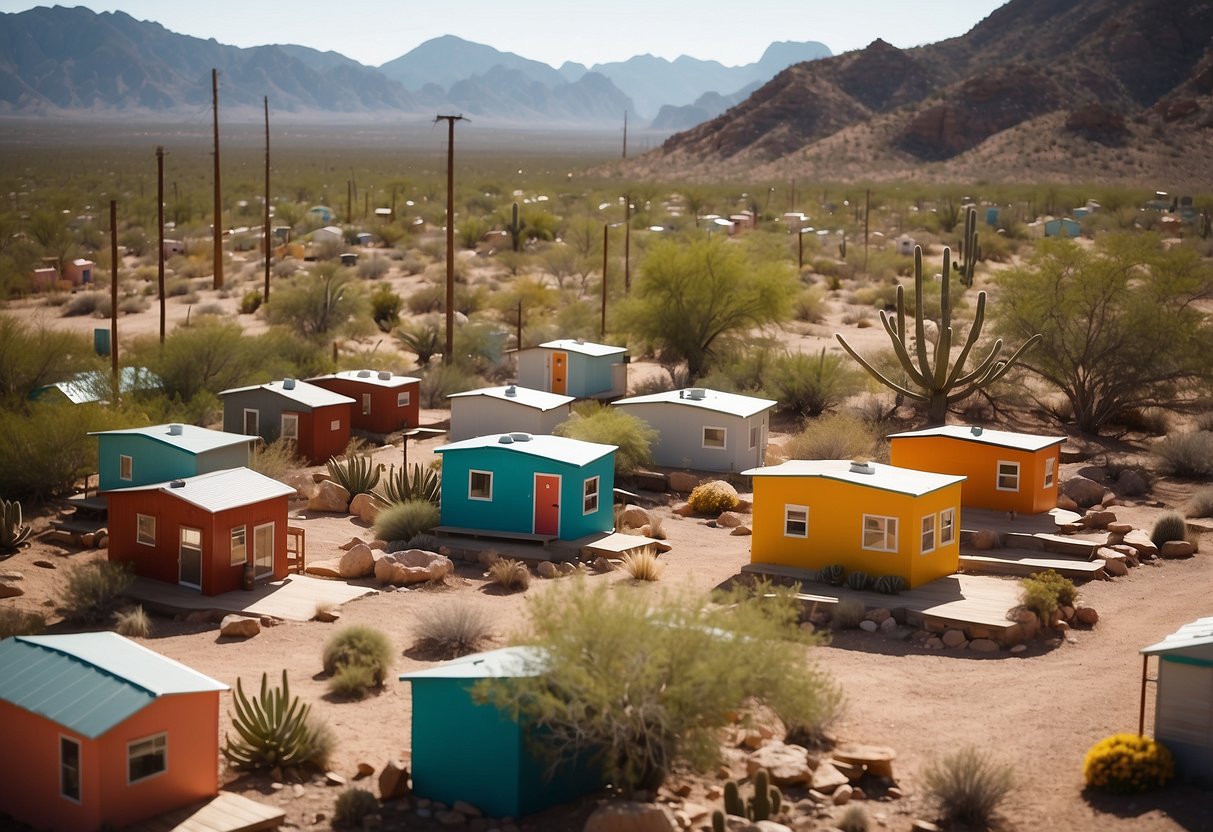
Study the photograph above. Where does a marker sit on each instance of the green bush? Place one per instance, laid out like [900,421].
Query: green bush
[357,473]
[1200,504]
[1170,525]
[510,575]
[250,302]
[834,436]
[385,305]
[968,785]
[593,422]
[15,622]
[1044,592]
[352,806]
[274,730]
[352,681]
[94,591]
[359,646]
[403,521]
[439,382]
[276,459]
[453,629]
[811,305]
[854,819]
[1127,764]
[807,385]
[87,303]
[713,498]
[45,448]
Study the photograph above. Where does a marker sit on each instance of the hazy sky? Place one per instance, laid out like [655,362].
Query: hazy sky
[730,31]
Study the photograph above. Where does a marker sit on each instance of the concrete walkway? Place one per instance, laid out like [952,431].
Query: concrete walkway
[292,599]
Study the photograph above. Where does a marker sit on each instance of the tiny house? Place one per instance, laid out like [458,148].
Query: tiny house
[384,402]
[1005,471]
[79,272]
[316,419]
[519,483]
[704,430]
[506,777]
[328,234]
[1183,713]
[201,532]
[863,516]
[97,386]
[1062,227]
[102,732]
[510,408]
[140,456]
[576,368]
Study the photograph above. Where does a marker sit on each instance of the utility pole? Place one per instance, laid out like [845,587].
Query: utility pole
[625,134]
[114,295]
[448,354]
[218,231]
[867,197]
[606,227]
[627,244]
[160,225]
[269,249]
[349,200]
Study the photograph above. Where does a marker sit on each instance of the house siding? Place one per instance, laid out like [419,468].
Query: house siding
[385,416]
[156,461]
[680,436]
[482,415]
[317,440]
[1183,719]
[588,375]
[979,463]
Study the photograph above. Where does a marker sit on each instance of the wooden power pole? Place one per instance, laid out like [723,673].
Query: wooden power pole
[160,225]
[606,227]
[448,354]
[218,233]
[625,134]
[627,244]
[114,295]
[269,246]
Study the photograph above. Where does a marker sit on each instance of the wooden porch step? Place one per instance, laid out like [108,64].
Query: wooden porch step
[1058,544]
[1029,562]
[461,531]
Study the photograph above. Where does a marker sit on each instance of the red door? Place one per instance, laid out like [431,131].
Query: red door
[547,504]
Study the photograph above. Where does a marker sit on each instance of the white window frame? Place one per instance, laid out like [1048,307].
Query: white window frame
[126,467]
[947,526]
[587,495]
[240,531]
[64,738]
[140,537]
[928,535]
[472,472]
[291,419]
[788,509]
[158,743]
[724,438]
[887,529]
[1050,471]
[404,398]
[366,404]
[998,475]
[256,414]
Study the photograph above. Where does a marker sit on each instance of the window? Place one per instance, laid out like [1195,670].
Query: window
[290,425]
[145,758]
[252,419]
[191,537]
[366,405]
[947,526]
[713,437]
[126,468]
[795,521]
[1008,476]
[69,768]
[403,399]
[754,437]
[480,485]
[335,424]
[589,502]
[879,533]
[1050,471]
[928,534]
[239,545]
[145,529]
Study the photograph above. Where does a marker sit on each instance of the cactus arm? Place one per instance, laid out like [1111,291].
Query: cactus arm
[919,329]
[876,374]
[900,350]
[979,319]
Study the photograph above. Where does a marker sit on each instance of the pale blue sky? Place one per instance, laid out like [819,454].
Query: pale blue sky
[588,31]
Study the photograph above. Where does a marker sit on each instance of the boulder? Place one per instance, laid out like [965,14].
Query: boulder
[1098,519]
[364,770]
[888,626]
[876,760]
[842,794]
[741,531]
[415,566]
[827,778]
[683,509]
[633,517]
[366,507]
[353,541]
[237,626]
[1173,549]
[1085,492]
[394,781]
[1086,616]
[729,519]
[869,626]
[1130,483]
[358,562]
[631,816]
[329,497]
[954,638]
[1120,528]
[1116,567]
[10,590]
[683,482]
[547,569]
[302,483]
[787,764]
[1141,542]
[879,615]
[983,645]
[1066,503]
[383,569]
[324,568]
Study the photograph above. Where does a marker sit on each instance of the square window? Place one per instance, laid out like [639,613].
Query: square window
[589,502]
[239,545]
[335,424]
[290,425]
[879,533]
[795,521]
[928,534]
[366,404]
[126,468]
[69,768]
[947,526]
[713,437]
[145,529]
[191,537]
[403,399]
[1050,471]
[1008,476]
[480,485]
[146,758]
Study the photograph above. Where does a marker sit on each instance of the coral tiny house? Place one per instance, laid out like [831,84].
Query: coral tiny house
[576,368]
[201,531]
[1183,713]
[102,732]
[140,456]
[549,486]
[863,516]
[512,408]
[1005,471]
[318,420]
[383,401]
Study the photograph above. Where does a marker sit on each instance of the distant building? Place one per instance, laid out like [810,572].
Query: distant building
[384,402]
[507,409]
[79,272]
[316,419]
[97,386]
[572,367]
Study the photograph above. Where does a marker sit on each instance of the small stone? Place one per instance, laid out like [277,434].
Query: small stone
[547,569]
[869,626]
[983,645]
[1087,616]
[1131,483]
[297,790]
[786,764]
[237,626]
[324,568]
[393,781]
[603,564]
[566,568]
[45,564]
[683,510]
[933,643]
[827,779]
[888,626]
[357,562]
[1174,549]
[633,517]
[879,615]
[330,497]
[741,531]
[8,590]
[353,541]
[1116,567]
[858,793]
[327,615]
[876,760]
[1066,612]
[450,818]
[11,575]
[364,770]
[893,793]
[954,638]
[332,778]
[1019,648]
[729,519]
[842,795]
[366,507]
[1120,528]
[1097,519]
[632,816]
[924,826]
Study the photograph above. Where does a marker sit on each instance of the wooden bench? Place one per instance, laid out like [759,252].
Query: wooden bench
[492,534]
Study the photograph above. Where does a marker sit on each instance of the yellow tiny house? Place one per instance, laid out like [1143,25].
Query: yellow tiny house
[864,516]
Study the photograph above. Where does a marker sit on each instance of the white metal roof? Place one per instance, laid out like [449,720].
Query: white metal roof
[220,490]
[308,395]
[503,663]
[558,448]
[379,378]
[718,401]
[1197,634]
[191,438]
[987,436]
[883,477]
[584,347]
[525,396]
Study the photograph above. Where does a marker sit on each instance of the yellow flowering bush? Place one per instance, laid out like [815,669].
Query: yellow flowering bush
[713,498]
[1127,763]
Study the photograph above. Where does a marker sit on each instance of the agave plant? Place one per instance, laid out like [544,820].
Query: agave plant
[12,531]
[417,483]
[274,730]
[357,474]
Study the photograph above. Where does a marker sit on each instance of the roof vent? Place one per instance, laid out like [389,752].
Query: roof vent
[364,374]
[384,375]
[511,391]
[862,467]
[177,484]
[578,340]
[975,430]
[176,429]
[288,384]
[697,393]
[505,439]
[521,437]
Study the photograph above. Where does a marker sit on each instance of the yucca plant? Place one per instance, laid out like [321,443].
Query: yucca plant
[357,474]
[416,483]
[12,531]
[274,730]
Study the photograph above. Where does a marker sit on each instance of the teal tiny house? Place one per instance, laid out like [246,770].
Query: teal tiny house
[521,483]
[575,368]
[474,752]
[139,456]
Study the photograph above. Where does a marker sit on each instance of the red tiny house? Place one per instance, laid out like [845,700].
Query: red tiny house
[383,402]
[316,419]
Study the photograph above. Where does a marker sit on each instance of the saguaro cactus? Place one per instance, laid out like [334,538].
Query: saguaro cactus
[515,228]
[931,380]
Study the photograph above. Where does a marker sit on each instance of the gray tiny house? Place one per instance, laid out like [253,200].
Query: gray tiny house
[317,420]
[573,367]
[1183,712]
[507,409]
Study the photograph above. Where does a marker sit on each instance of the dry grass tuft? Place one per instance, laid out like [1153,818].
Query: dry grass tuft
[643,566]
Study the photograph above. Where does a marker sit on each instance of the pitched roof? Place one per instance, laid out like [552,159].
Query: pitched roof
[94,385]
[308,395]
[584,347]
[90,682]
[525,396]
[558,448]
[879,476]
[189,438]
[1197,634]
[218,491]
[378,378]
[701,398]
[503,663]
[987,436]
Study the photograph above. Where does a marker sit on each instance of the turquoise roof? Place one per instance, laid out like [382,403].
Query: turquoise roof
[94,385]
[90,682]
[504,663]
[190,438]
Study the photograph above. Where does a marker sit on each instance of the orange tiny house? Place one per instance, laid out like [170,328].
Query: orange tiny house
[1004,471]
[865,517]
[102,732]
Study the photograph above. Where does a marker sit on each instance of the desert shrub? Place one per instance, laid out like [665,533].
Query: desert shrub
[811,305]
[402,521]
[834,436]
[15,622]
[94,591]
[359,647]
[132,304]
[385,305]
[1127,764]
[847,614]
[250,302]
[510,575]
[274,730]
[880,296]
[352,681]
[275,459]
[657,528]
[807,385]
[854,819]
[439,382]
[712,498]
[1200,504]
[1170,525]
[643,565]
[968,785]
[593,422]
[87,303]
[658,691]
[374,268]
[453,629]
[353,805]
[1044,592]
[1149,420]
[428,298]
[133,623]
